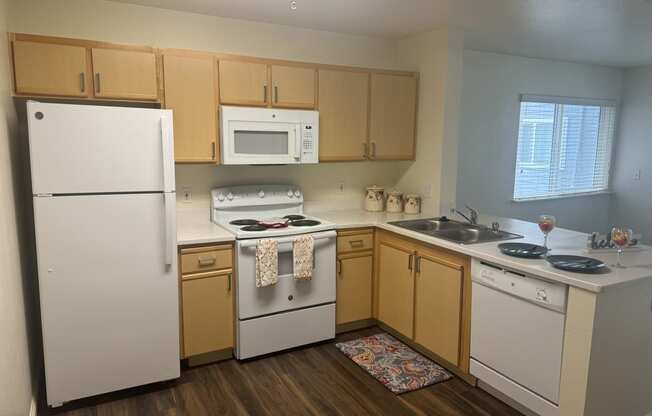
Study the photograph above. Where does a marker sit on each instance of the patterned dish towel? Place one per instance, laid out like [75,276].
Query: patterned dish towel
[302,252]
[266,263]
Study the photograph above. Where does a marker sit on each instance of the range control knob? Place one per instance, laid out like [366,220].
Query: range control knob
[261,194]
[297,193]
[229,196]
[290,193]
[220,197]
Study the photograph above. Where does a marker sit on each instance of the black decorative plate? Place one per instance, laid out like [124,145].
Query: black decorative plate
[577,264]
[525,250]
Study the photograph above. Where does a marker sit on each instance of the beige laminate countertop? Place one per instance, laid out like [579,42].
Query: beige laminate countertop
[195,227]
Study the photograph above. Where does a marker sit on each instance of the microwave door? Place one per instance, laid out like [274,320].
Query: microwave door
[252,143]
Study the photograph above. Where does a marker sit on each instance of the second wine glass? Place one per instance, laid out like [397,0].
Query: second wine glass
[546,224]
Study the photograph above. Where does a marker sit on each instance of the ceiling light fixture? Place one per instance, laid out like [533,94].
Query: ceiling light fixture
[293,5]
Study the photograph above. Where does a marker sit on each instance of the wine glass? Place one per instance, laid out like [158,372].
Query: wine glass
[621,237]
[546,224]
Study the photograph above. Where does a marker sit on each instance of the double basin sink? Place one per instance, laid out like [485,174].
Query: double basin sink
[455,231]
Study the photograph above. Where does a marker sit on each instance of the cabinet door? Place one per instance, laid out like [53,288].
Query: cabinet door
[393,116]
[207,313]
[190,91]
[243,83]
[343,115]
[293,86]
[438,307]
[49,69]
[396,288]
[354,276]
[124,74]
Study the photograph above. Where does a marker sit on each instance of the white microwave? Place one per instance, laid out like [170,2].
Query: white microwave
[268,136]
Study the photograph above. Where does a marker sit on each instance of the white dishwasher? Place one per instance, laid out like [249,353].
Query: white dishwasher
[517,333]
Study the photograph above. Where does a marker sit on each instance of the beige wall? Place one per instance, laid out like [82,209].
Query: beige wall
[16,285]
[438,57]
[117,22]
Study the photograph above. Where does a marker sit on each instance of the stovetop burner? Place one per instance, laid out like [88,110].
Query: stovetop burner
[294,217]
[254,227]
[244,222]
[305,223]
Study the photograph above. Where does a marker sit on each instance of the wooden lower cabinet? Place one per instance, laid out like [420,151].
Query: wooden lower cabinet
[207,313]
[438,307]
[424,293]
[396,287]
[354,276]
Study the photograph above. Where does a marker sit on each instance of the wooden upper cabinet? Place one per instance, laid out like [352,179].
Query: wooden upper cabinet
[190,85]
[50,69]
[393,116]
[125,74]
[243,83]
[396,288]
[343,115]
[438,309]
[293,86]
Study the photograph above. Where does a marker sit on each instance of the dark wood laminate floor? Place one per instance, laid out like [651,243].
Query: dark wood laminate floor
[316,380]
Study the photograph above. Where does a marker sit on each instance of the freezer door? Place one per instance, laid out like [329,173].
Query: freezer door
[109,301]
[96,149]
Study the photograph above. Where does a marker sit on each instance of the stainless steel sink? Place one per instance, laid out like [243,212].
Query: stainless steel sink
[458,232]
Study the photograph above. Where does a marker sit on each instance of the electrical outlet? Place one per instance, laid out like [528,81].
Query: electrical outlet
[427,191]
[187,195]
[637,175]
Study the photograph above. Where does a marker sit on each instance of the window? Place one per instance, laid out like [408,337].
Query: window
[564,147]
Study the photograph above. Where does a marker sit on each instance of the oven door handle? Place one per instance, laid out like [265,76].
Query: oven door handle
[290,239]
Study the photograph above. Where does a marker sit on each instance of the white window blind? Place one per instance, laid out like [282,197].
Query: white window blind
[564,146]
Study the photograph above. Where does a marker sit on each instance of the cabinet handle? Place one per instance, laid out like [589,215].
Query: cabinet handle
[97,82]
[206,261]
[365,150]
[82,81]
[410,261]
[229,282]
[373,150]
[213,150]
[356,243]
[276,94]
[264,93]
[417,264]
[339,267]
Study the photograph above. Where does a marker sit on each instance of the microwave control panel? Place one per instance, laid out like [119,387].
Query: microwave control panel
[309,143]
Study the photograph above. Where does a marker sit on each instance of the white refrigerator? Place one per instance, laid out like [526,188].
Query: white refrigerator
[105,226]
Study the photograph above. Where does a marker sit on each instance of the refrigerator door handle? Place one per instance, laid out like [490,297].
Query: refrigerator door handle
[169,202]
[168,160]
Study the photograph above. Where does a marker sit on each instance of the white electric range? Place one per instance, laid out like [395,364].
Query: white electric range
[292,312]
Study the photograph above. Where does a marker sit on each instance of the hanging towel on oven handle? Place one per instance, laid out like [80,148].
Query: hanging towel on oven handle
[266,263]
[303,254]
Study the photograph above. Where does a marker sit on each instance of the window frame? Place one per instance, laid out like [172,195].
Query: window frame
[562,100]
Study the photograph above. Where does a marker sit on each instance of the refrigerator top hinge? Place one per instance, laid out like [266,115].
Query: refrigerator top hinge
[44,195]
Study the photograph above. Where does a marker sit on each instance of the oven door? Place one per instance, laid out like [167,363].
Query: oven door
[288,293]
[260,143]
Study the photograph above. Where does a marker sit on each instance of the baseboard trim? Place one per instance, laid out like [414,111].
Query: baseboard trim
[210,357]
[355,325]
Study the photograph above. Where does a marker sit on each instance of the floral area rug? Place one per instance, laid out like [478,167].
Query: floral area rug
[394,364]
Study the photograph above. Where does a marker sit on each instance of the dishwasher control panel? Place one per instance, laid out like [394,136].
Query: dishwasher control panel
[529,288]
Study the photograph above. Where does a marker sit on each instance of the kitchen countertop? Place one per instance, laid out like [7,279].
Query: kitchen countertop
[195,227]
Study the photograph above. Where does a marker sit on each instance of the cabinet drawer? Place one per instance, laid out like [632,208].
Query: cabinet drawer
[202,259]
[355,242]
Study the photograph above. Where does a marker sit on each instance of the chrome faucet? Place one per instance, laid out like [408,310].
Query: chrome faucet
[472,218]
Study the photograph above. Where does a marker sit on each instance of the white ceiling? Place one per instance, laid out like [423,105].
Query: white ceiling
[610,32]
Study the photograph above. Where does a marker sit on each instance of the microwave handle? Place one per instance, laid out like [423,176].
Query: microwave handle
[297,143]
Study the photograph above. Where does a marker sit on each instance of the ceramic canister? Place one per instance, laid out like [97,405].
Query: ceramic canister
[394,201]
[412,204]
[374,199]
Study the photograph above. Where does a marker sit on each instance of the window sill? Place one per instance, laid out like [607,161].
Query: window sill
[566,196]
